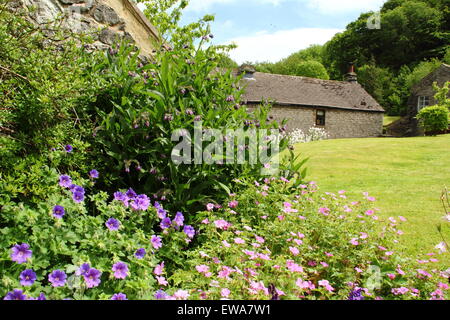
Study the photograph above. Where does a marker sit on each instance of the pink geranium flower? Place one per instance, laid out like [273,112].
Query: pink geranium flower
[159,269]
[225,292]
[181,295]
[326,285]
[294,251]
[222,224]
[162,281]
[233,204]
[324,211]
[202,268]
[293,267]
[305,284]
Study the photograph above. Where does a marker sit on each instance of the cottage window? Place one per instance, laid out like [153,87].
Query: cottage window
[320,117]
[423,102]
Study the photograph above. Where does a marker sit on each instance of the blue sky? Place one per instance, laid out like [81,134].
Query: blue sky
[269,30]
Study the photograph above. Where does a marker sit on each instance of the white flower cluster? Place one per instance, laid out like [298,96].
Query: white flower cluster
[313,134]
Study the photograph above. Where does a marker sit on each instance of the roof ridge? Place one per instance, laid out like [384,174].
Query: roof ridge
[302,77]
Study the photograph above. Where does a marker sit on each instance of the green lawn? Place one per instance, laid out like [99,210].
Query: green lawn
[406,176]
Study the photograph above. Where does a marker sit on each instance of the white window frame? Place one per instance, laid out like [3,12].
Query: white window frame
[422,102]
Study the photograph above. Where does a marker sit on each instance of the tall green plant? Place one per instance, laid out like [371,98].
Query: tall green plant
[144,104]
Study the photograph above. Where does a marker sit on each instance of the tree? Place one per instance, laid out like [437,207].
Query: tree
[411,31]
[376,81]
[311,69]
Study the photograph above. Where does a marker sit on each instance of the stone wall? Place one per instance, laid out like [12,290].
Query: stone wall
[105,20]
[425,89]
[339,123]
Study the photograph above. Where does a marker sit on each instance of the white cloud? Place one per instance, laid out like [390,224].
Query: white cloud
[272,47]
[342,6]
[324,6]
[205,5]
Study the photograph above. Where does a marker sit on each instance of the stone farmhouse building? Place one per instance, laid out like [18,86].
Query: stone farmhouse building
[422,95]
[343,108]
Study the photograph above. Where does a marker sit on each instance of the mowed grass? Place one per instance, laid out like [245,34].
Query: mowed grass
[405,175]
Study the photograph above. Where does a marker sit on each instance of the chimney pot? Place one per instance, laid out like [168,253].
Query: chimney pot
[351,76]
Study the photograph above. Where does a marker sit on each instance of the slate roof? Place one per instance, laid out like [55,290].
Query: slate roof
[302,91]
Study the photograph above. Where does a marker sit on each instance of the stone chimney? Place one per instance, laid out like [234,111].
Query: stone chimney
[351,76]
[248,71]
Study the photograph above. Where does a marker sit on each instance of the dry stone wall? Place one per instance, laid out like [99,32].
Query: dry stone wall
[105,20]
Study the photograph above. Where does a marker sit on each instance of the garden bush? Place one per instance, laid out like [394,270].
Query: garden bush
[434,119]
[269,242]
[64,248]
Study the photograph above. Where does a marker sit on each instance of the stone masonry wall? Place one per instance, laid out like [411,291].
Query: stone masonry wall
[104,20]
[425,88]
[339,123]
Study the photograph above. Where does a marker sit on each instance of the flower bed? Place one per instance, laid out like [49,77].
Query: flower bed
[271,241]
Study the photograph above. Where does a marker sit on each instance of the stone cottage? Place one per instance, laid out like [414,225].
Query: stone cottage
[105,20]
[422,95]
[343,108]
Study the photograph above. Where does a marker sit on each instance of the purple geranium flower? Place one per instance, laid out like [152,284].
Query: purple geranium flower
[190,231]
[41,297]
[113,224]
[140,253]
[119,296]
[57,278]
[141,202]
[165,223]
[27,277]
[83,270]
[160,295]
[78,197]
[78,189]
[15,295]
[20,253]
[58,212]
[92,278]
[68,148]
[179,219]
[161,213]
[119,196]
[356,295]
[131,194]
[156,242]
[93,174]
[120,270]
[65,181]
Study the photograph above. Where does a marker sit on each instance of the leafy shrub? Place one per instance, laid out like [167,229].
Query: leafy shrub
[270,243]
[45,83]
[434,119]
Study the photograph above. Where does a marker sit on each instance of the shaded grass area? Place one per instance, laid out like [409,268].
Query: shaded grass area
[406,176]
[387,120]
